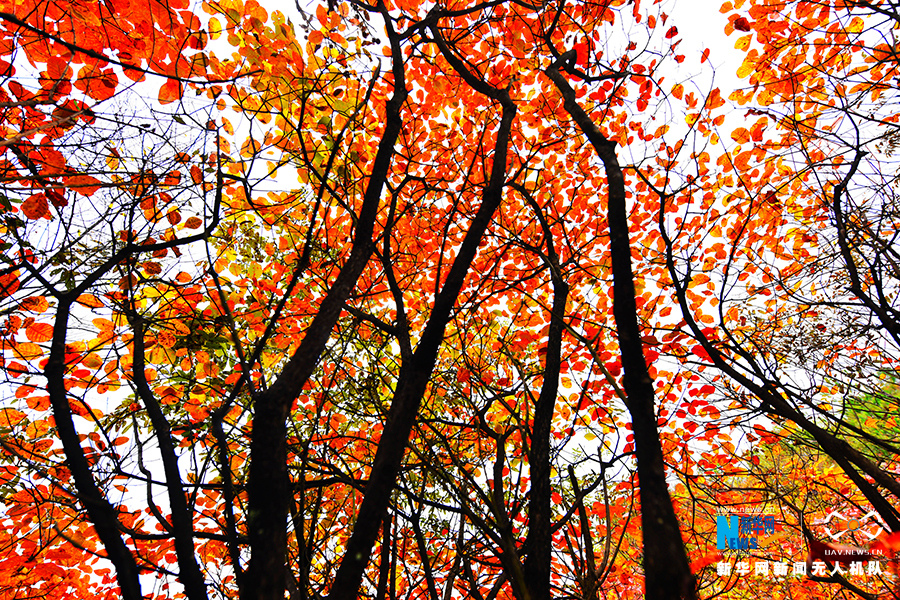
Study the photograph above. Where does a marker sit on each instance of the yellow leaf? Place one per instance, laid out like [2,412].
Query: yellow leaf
[749,64]
[215,28]
[27,351]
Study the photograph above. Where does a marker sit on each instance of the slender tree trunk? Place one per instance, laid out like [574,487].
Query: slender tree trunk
[413,382]
[189,573]
[539,542]
[268,487]
[667,573]
[102,514]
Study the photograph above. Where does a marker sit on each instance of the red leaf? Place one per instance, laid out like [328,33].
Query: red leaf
[887,543]
[9,284]
[97,83]
[742,24]
[701,352]
[672,32]
[36,207]
[57,199]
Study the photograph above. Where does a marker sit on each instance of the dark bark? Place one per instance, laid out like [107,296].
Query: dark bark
[231,533]
[384,568]
[102,514]
[667,572]
[885,313]
[539,541]
[268,488]
[298,516]
[424,558]
[189,575]
[774,402]
[503,536]
[415,374]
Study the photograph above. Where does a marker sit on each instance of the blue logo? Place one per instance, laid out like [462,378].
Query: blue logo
[742,532]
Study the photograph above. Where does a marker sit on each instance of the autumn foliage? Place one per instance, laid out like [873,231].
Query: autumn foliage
[413,300]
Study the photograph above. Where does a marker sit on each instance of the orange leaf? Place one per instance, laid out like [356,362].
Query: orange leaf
[193,223]
[39,332]
[170,91]
[740,135]
[36,304]
[105,325]
[10,417]
[90,301]
[165,339]
[742,160]
[92,361]
[38,402]
[84,184]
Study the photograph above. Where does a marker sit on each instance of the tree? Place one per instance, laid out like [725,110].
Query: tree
[367,307]
[62,247]
[838,268]
[799,315]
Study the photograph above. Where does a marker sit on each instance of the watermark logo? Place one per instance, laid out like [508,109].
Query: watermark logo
[742,532]
[838,524]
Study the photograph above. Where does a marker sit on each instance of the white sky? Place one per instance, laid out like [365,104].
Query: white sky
[701,25]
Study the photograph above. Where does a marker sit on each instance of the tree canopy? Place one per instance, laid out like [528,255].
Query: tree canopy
[404,300]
